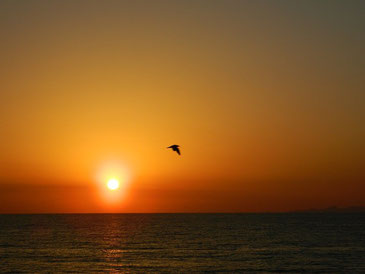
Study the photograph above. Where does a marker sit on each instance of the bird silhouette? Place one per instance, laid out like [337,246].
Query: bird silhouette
[175,148]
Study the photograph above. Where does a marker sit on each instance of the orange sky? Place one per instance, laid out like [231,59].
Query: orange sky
[266,100]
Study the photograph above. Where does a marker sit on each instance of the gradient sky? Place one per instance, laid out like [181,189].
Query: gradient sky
[266,98]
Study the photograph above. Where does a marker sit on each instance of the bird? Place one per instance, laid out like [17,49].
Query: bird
[175,148]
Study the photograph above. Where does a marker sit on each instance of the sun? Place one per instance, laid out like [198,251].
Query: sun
[113,184]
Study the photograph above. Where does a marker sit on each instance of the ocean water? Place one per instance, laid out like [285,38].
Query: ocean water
[183,243]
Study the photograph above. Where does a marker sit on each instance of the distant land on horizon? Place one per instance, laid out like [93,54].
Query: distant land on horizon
[332,209]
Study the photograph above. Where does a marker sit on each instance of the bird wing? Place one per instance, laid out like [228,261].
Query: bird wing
[177,150]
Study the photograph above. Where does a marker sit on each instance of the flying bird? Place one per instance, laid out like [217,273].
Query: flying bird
[175,148]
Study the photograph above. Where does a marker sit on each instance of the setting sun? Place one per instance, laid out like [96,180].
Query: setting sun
[113,184]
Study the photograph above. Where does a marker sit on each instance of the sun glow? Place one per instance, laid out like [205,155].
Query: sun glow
[113,184]
[112,179]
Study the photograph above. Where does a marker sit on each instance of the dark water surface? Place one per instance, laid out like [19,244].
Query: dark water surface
[316,242]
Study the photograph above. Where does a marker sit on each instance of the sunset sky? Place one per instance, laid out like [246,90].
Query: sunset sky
[265,98]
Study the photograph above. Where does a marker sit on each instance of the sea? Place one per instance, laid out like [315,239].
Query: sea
[183,243]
